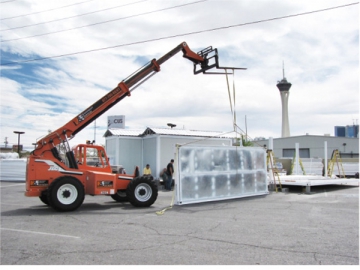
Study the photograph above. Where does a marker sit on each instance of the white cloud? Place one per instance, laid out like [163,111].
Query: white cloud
[320,52]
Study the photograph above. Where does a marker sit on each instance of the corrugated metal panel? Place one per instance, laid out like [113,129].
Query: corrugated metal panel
[111,150]
[12,169]
[149,154]
[130,153]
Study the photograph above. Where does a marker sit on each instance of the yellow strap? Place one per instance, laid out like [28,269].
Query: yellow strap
[228,86]
[232,103]
[161,212]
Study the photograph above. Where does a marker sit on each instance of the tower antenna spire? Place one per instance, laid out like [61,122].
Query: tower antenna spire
[283,70]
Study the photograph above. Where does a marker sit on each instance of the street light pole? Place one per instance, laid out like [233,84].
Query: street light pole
[19,133]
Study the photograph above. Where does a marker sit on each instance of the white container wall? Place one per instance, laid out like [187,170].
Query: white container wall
[13,169]
[211,173]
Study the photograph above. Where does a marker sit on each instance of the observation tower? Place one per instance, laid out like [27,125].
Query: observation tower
[284,87]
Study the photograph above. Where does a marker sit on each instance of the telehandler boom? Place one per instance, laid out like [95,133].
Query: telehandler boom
[61,176]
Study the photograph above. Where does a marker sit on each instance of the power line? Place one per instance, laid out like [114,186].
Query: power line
[2,19]
[179,35]
[131,16]
[7,1]
[66,18]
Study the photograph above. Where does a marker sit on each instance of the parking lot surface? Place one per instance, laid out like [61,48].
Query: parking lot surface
[293,228]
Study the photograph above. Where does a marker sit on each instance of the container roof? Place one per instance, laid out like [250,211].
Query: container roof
[166,131]
[123,132]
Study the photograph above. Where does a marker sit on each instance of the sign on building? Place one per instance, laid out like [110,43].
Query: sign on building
[116,121]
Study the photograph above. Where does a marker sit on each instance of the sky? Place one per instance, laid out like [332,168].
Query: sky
[59,57]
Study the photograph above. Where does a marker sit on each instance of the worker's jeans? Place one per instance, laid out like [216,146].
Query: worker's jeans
[168,182]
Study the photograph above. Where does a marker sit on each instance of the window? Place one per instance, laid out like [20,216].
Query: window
[92,158]
[290,152]
[79,155]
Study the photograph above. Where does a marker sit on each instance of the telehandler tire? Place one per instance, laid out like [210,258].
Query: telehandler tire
[142,191]
[120,196]
[66,194]
[44,198]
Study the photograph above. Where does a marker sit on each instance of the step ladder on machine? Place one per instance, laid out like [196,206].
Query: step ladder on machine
[270,161]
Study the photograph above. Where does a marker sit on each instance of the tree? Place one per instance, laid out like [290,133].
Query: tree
[244,141]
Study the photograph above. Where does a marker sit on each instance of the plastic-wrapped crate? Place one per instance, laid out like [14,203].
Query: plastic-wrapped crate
[210,173]
[311,166]
[350,168]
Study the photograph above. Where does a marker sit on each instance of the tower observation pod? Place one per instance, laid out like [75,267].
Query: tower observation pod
[284,87]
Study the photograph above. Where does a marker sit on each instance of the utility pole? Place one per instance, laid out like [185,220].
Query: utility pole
[19,133]
[6,142]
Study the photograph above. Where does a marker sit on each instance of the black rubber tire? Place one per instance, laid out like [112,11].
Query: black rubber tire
[142,191]
[120,196]
[44,198]
[66,194]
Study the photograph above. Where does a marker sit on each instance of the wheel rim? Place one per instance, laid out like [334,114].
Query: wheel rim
[143,192]
[67,194]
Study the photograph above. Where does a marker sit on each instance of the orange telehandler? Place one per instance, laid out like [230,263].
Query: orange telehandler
[61,176]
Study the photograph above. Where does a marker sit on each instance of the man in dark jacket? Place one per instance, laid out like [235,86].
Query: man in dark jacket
[170,173]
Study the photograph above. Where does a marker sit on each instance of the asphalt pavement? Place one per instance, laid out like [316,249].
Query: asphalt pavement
[282,228]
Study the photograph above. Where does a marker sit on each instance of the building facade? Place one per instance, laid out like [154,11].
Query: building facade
[154,146]
[350,131]
[313,146]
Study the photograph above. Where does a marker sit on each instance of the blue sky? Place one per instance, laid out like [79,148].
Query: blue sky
[320,52]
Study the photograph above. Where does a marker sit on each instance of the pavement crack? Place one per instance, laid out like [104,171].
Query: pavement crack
[276,249]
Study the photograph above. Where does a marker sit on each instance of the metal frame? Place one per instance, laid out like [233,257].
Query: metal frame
[211,60]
